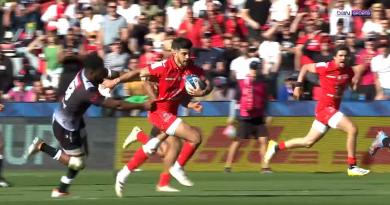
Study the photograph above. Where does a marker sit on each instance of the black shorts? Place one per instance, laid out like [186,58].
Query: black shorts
[252,128]
[72,142]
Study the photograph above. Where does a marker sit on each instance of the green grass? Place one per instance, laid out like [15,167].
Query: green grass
[211,188]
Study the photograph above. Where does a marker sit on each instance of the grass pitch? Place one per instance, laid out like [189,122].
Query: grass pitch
[211,188]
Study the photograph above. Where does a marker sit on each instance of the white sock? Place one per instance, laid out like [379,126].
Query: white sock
[66,180]
[123,173]
[151,146]
[1,156]
[176,166]
[58,155]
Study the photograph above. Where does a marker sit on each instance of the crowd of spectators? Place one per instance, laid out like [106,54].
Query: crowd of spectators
[41,42]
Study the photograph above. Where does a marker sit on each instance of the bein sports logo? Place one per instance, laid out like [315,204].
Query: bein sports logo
[345,13]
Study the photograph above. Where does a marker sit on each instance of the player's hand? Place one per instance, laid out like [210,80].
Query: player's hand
[198,92]
[109,83]
[1,107]
[150,105]
[196,106]
[297,92]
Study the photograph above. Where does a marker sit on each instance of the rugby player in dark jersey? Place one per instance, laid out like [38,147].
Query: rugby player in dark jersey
[68,122]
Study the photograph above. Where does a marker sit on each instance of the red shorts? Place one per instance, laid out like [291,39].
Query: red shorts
[325,114]
[165,121]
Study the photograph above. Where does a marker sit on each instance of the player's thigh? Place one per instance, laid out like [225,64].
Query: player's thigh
[345,124]
[72,142]
[185,131]
[316,132]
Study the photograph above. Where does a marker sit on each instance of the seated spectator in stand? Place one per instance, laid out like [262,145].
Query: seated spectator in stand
[209,58]
[50,94]
[157,35]
[39,92]
[20,93]
[90,22]
[117,59]
[380,65]
[175,14]
[149,55]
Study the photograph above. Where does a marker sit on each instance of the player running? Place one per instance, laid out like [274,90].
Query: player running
[170,75]
[68,122]
[381,140]
[334,77]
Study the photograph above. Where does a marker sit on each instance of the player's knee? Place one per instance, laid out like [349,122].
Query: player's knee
[352,129]
[309,143]
[77,163]
[197,138]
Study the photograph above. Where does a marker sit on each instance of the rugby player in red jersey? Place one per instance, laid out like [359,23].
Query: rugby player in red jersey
[334,77]
[170,75]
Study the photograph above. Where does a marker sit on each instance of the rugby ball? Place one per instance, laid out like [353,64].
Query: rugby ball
[106,92]
[193,82]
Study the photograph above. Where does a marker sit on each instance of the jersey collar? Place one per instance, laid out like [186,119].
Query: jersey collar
[87,84]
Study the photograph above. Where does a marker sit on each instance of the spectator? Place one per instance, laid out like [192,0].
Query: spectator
[52,51]
[230,53]
[56,16]
[38,90]
[255,14]
[270,53]
[149,55]
[156,35]
[373,24]
[112,23]
[234,24]
[380,65]
[129,10]
[358,21]
[137,36]
[20,93]
[90,22]
[239,68]
[366,87]
[334,18]
[281,10]
[191,28]
[50,94]
[287,40]
[117,59]
[175,14]
[209,58]
[6,73]
[149,9]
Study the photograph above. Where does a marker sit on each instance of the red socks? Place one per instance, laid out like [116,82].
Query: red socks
[142,137]
[164,179]
[186,153]
[281,145]
[137,160]
[351,161]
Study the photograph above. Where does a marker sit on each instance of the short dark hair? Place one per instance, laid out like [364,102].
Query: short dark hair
[341,48]
[93,62]
[181,43]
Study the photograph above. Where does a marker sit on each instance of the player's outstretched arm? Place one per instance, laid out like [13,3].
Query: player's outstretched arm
[1,107]
[126,77]
[122,105]
[301,77]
